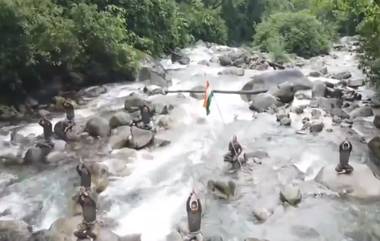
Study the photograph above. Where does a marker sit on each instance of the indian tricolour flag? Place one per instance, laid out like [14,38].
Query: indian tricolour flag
[207,98]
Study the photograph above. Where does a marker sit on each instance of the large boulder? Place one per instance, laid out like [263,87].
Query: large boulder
[263,102]
[198,96]
[36,155]
[284,92]
[98,127]
[291,194]
[361,183]
[93,91]
[364,111]
[270,80]
[140,138]
[134,102]
[14,231]
[355,83]
[59,129]
[376,121]
[154,74]
[316,126]
[120,137]
[180,58]
[374,146]
[9,113]
[120,119]
[222,190]
[342,75]
[225,60]
[331,106]
[319,89]
[99,176]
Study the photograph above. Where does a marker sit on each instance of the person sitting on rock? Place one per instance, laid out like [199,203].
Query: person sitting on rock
[70,115]
[234,151]
[194,217]
[48,130]
[88,205]
[345,149]
[85,176]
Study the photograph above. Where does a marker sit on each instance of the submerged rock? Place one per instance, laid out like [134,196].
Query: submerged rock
[222,190]
[361,183]
[316,126]
[232,71]
[291,194]
[262,214]
[342,75]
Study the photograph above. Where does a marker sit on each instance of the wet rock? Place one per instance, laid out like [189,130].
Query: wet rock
[99,176]
[286,121]
[204,62]
[284,92]
[361,183]
[225,60]
[316,114]
[120,119]
[262,214]
[271,80]
[314,74]
[316,126]
[134,102]
[59,129]
[376,121]
[282,113]
[164,122]
[334,92]
[44,113]
[263,102]
[56,157]
[153,90]
[7,179]
[9,113]
[302,96]
[299,109]
[232,71]
[291,194]
[179,57]
[331,106]
[140,138]
[93,92]
[214,59]
[161,143]
[14,231]
[98,127]
[355,83]
[319,89]
[364,111]
[120,137]
[36,155]
[198,96]
[374,146]
[154,74]
[222,190]
[342,75]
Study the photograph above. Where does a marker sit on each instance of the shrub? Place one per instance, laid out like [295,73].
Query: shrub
[301,34]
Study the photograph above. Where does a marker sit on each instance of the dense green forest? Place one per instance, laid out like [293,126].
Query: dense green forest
[48,43]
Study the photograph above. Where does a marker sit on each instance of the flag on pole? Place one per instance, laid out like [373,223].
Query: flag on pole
[207,98]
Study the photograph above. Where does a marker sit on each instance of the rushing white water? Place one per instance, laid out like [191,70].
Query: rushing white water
[151,200]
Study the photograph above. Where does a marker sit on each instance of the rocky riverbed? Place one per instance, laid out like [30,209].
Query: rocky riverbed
[293,129]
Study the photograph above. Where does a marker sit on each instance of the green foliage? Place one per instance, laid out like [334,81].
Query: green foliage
[370,32]
[204,23]
[300,33]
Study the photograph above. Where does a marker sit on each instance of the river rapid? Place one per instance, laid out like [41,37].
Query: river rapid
[151,199]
